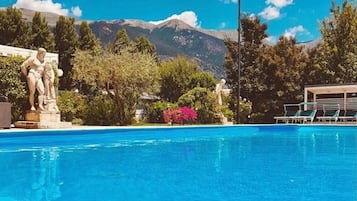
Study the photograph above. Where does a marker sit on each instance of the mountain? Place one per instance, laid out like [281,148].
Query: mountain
[171,38]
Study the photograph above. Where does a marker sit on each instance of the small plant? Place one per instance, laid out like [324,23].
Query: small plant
[180,115]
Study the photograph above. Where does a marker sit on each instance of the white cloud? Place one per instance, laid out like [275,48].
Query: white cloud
[76,11]
[291,33]
[279,3]
[270,13]
[47,6]
[189,17]
[270,40]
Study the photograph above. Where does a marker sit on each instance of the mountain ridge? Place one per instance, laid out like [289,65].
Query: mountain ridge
[171,38]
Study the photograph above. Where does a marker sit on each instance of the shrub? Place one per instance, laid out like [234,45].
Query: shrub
[102,111]
[180,115]
[154,111]
[72,105]
[204,102]
[245,108]
[13,85]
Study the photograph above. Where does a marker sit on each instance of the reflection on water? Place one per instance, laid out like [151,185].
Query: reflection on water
[272,165]
[30,175]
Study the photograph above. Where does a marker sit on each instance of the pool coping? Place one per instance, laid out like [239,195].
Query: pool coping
[84,128]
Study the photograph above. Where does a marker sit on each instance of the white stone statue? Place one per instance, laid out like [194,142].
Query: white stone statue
[219,88]
[33,69]
[48,80]
[40,76]
[50,92]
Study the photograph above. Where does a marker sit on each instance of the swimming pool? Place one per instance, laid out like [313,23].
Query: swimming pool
[245,163]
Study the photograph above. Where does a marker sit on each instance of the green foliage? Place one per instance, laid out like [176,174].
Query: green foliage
[73,106]
[40,33]
[245,108]
[66,43]
[143,45]
[315,71]
[204,102]
[102,111]
[202,79]
[13,29]
[283,65]
[339,34]
[121,41]
[253,74]
[228,113]
[125,76]
[13,86]
[154,111]
[176,78]
[274,72]
[87,39]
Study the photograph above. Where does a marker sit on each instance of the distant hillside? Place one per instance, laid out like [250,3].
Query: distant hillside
[171,38]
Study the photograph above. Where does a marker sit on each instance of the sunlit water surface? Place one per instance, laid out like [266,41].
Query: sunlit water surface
[245,163]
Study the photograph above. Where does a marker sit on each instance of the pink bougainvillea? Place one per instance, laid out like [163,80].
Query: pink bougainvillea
[180,115]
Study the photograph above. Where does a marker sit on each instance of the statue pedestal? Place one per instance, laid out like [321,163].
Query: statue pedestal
[42,119]
[43,116]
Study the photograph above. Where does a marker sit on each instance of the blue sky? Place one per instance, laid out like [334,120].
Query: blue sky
[296,18]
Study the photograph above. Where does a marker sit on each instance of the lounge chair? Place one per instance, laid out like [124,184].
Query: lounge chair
[331,112]
[307,112]
[290,111]
[350,115]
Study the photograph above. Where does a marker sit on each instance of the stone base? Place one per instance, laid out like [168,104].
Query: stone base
[42,116]
[37,125]
[42,119]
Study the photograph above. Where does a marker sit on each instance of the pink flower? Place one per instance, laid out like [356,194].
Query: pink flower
[180,115]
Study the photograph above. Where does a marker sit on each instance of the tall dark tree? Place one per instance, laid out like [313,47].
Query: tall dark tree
[13,29]
[315,71]
[66,41]
[40,33]
[339,35]
[120,42]
[251,82]
[283,66]
[87,39]
[143,45]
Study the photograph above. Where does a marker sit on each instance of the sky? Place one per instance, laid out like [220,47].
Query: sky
[293,18]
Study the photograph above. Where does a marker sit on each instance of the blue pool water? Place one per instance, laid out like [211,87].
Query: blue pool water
[245,163]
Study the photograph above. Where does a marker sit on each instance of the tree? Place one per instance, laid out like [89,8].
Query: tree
[283,65]
[40,33]
[87,39]
[66,43]
[143,45]
[252,81]
[202,79]
[177,78]
[339,35]
[124,76]
[315,71]
[121,41]
[204,102]
[13,29]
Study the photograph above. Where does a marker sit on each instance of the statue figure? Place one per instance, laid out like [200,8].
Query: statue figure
[50,92]
[48,80]
[219,88]
[33,69]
